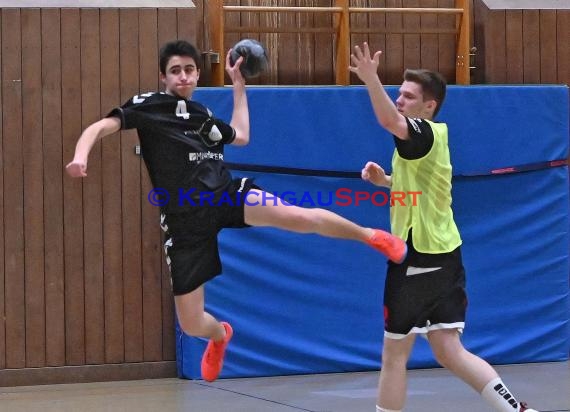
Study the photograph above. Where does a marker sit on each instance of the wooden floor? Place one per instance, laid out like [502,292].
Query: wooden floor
[545,386]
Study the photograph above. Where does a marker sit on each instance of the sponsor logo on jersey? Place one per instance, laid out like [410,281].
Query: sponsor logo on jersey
[413,270]
[414,123]
[199,156]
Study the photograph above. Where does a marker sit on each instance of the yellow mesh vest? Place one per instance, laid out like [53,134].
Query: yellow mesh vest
[431,218]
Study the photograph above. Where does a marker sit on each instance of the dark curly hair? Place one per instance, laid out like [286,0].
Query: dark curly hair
[178,48]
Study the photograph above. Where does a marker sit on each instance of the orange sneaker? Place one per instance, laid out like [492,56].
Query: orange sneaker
[391,246]
[213,358]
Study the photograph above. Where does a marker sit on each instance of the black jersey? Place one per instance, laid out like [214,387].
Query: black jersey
[182,145]
[420,142]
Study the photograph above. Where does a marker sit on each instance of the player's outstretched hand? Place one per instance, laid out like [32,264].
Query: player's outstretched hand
[234,71]
[363,65]
[373,173]
[76,169]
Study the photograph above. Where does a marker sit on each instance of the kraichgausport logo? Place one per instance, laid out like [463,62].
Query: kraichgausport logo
[340,197]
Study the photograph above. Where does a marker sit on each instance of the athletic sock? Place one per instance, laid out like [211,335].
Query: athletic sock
[379,409]
[499,397]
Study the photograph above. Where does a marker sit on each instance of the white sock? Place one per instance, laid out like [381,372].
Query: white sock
[499,397]
[379,409]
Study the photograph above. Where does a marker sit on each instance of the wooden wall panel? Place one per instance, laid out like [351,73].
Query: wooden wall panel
[446,46]
[185,25]
[412,44]
[231,20]
[496,50]
[131,191]
[83,279]
[429,53]
[514,46]
[2,254]
[167,26]
[92,191]
[323,49]
[306,58]
[247,20]
[531,46]
[270,40]
[506,57]
[394,41]
[314,52]
[358,21]
[70,65]
[111,181]
[56,258]
[479,22]
[521,46]
[288,47]
[14,285]
[34,192]
[562,49]
[150,229]
[377,41]
[547,48]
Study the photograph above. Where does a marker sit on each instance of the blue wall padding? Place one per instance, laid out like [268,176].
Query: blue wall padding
[304,304]
[334,128]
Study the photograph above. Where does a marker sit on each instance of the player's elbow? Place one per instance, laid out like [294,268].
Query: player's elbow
[241,139]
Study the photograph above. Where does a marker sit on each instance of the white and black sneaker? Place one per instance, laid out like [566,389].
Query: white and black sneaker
[525,408]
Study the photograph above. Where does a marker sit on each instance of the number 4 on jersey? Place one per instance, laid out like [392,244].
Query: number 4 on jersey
[181,110]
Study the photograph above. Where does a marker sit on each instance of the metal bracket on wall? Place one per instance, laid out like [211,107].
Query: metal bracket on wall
[212,56]
[472,53]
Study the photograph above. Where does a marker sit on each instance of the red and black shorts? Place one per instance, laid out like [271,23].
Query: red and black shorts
[191,238]
[424,293]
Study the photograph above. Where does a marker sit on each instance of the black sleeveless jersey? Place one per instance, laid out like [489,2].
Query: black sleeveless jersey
[182,160]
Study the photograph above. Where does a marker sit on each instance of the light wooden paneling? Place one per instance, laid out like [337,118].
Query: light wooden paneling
[151,239]
[111,181]
[92,191]
[83,281]
[33,193]
[518,45]
[2,252]
[13,170]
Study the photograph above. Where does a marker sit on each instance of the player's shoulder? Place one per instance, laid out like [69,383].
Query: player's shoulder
[417,124]
[198,108]
[436,126]
[151,101]
[196,104]
[151,97]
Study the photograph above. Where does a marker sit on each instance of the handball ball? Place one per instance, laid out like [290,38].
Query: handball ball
[254,57]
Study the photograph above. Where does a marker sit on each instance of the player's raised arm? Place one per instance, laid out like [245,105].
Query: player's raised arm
[240,114]
[365,67]
[96,131]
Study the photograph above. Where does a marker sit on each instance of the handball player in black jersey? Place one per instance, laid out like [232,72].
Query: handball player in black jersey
[182,144]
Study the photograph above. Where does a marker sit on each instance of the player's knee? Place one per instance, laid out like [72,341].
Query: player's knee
[445,356]
[394,361]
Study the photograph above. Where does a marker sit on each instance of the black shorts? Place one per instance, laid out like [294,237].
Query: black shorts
[426,292]
[191,240]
